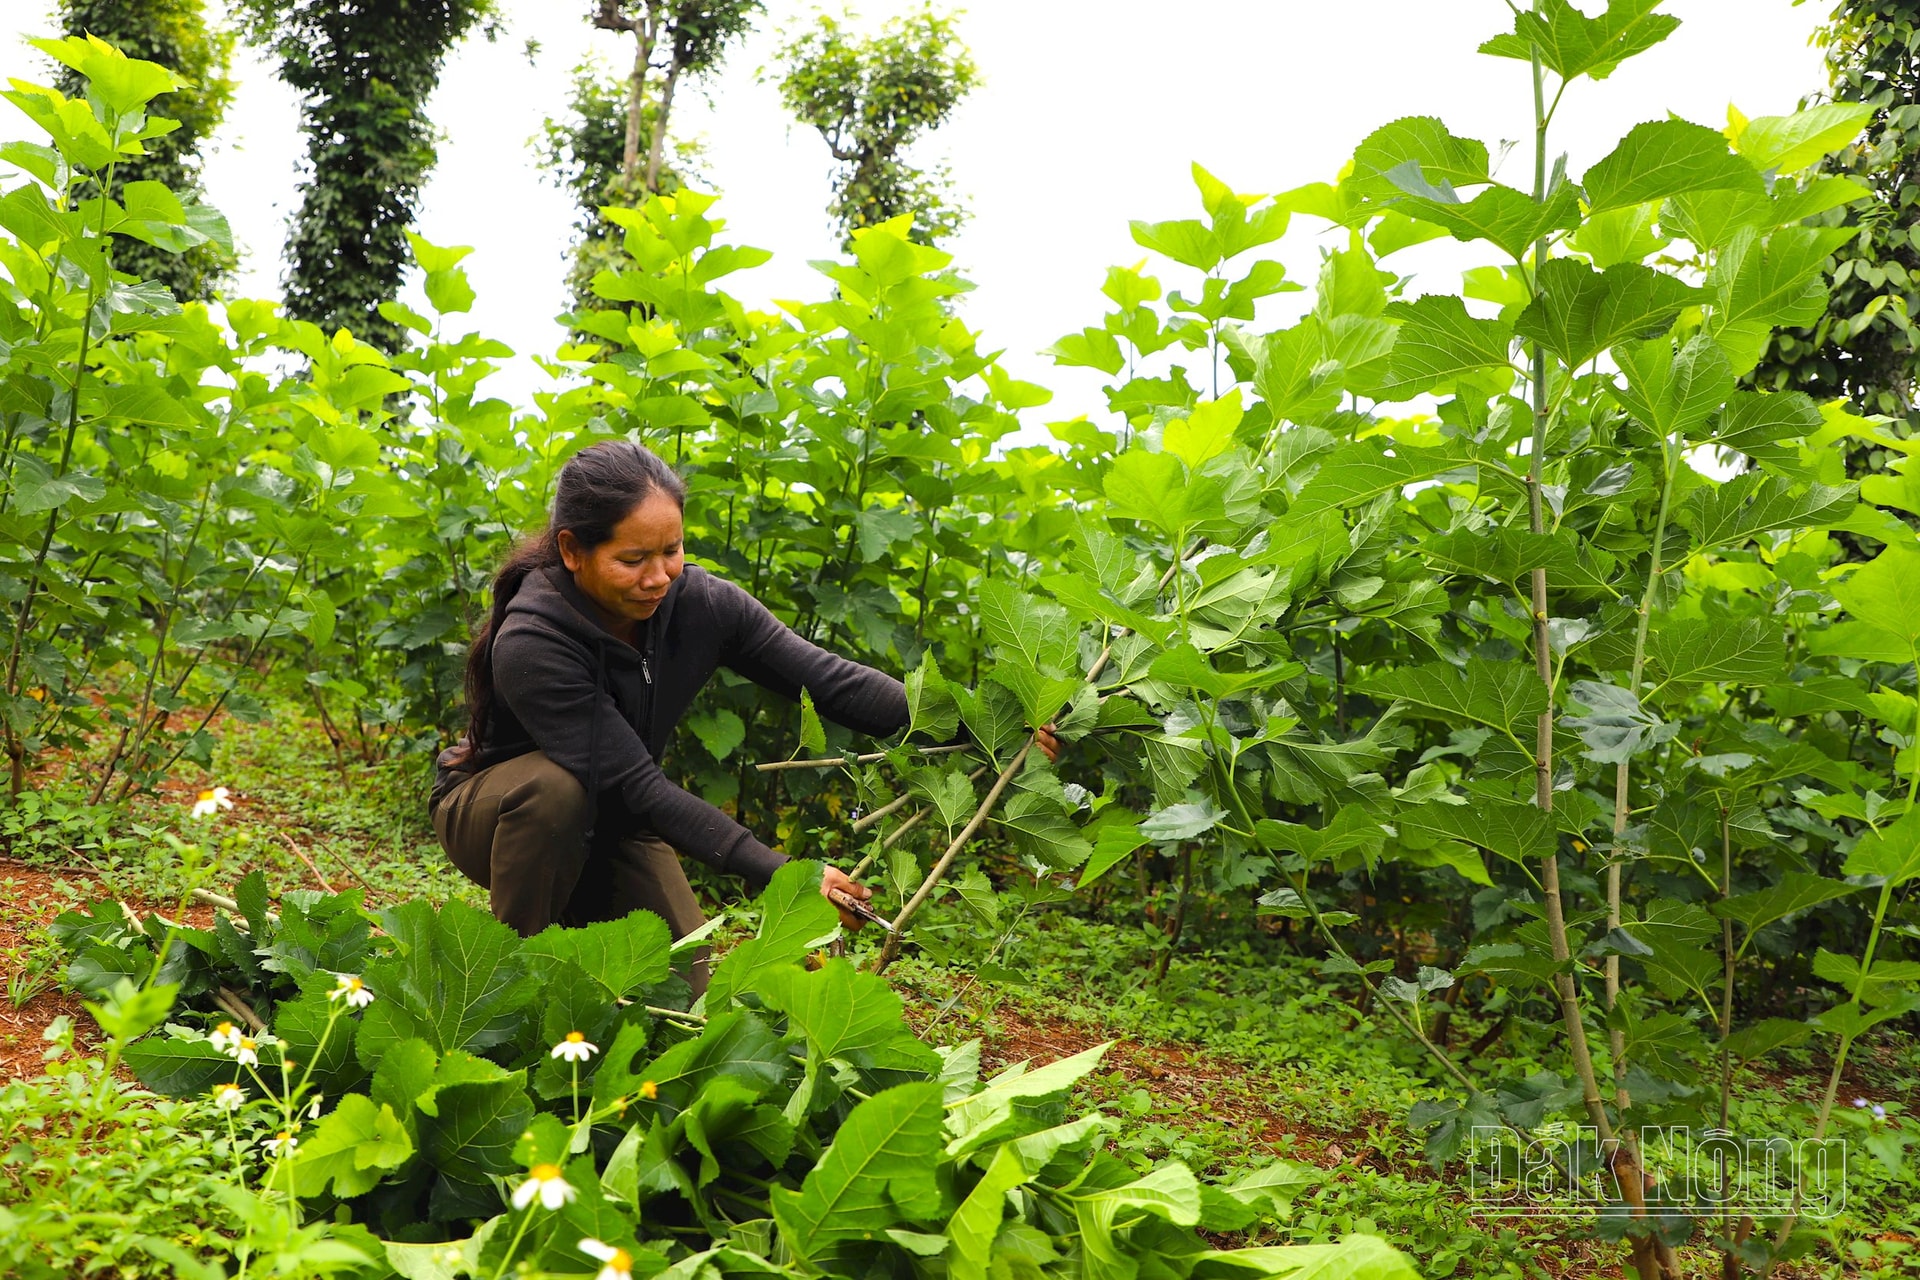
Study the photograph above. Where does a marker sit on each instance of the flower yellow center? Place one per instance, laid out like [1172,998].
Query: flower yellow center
[224,1029]
[227,1090]
[621,1261]
[546,1173]
[246,1043]
[574,1037]
[649,1090]
[206,795]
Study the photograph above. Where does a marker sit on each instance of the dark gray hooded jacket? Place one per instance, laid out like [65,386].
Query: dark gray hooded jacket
[605,710]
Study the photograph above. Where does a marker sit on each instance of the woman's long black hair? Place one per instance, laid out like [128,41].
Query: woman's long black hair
[598,488]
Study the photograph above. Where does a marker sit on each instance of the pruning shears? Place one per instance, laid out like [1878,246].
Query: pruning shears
[858,909]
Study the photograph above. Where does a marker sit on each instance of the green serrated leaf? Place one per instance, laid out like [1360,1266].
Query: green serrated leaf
[878,1172]
[1666,158]
[813,734]
[846,1014]
[1788,144]
[1892,853]
[793,914]
[1182,821]
[1570,44]
[1519,831]
[1747,506]
[625,956]
[1438,342]
[931,710]
[1502,696]
[1793,892]
[1423,140]
[1692,650]
[1580,312]
[455,980]
[354,1147]
[1510,220]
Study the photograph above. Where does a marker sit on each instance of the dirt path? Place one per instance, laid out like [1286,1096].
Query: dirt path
[29,900]
[1202,1085]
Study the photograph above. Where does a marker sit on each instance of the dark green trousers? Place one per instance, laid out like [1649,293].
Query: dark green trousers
[518,830]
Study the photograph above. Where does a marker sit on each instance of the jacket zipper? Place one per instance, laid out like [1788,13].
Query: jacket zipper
[646,674]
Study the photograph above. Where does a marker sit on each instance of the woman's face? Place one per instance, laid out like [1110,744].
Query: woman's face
[628,574]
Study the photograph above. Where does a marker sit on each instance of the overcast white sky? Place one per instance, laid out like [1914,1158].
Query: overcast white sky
[1090,114]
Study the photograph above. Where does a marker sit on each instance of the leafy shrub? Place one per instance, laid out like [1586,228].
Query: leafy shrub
[96,1172]
[467,1095]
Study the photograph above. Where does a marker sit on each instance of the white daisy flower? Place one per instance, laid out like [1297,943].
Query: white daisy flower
[545,1182]
[282,1144]
[313,1112]
[211,802]
[350,988]
[224,1037]
[228,1097]
[244,1050]
[575,1048]
[618,1262]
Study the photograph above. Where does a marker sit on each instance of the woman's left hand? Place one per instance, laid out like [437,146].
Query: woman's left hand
[833,880]
[1043,737]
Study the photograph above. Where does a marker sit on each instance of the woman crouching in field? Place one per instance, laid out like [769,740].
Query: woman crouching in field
[600,636]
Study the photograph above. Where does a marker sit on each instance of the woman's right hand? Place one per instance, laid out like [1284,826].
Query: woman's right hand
[834,880]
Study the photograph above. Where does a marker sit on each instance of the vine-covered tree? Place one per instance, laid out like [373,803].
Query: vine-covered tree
[175,34]
[871,98]
[364,70]
[1866,348]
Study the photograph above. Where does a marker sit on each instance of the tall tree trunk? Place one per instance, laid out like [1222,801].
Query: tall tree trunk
[658,143]
[636,99]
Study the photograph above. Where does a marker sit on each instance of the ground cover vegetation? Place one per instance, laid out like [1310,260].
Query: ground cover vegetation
[1509,656]
[538,1088]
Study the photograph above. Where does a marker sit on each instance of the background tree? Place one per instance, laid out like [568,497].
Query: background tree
[673,39]
[1866,347]
[173,33]
[582,153]
[871,98]
[364,70]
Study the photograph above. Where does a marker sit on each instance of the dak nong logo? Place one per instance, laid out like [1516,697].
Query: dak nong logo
[1712,1172]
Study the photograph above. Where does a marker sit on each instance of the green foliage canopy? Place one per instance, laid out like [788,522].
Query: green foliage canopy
[173,33]
[871,97]
[1861,345]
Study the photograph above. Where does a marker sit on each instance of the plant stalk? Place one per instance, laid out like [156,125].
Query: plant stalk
[1623,1157]
[1617,1040]
[890,950]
